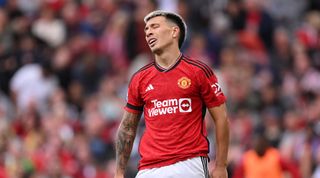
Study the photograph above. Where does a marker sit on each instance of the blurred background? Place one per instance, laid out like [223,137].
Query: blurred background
[65,67]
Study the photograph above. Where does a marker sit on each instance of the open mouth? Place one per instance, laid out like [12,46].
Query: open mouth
[152,41]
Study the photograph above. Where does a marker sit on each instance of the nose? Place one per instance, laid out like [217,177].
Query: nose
[148,33]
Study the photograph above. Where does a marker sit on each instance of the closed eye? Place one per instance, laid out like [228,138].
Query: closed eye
[152,26]
[155,26]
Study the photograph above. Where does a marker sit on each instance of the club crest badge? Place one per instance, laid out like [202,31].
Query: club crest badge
[184,82]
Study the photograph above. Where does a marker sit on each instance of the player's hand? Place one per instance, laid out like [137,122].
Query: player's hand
[219,172]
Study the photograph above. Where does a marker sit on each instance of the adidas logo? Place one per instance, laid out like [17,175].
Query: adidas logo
[150,87]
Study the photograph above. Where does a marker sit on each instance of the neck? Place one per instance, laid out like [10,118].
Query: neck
[167,57]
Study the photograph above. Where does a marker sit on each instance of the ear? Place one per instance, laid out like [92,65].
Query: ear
[175,32]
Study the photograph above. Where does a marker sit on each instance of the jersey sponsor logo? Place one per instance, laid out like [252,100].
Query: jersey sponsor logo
[184,82]
[170,106]
[185,105]
[217,88]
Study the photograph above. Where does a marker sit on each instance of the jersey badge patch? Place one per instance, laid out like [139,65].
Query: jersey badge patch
[184,82]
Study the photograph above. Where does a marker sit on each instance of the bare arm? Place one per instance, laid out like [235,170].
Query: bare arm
[219,115]
[124,141]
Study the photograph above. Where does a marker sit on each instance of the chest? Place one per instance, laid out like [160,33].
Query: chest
[169,85]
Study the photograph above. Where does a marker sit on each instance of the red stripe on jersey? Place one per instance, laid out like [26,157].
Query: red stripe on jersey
[142,69]
[207,69]
[199,66]
[146,67]
[203,64]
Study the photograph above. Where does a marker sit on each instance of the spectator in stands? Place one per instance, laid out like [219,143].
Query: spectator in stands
[264,161]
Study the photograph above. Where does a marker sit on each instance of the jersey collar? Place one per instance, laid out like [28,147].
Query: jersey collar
[161,69]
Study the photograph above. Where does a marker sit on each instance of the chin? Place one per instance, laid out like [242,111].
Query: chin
[155,50]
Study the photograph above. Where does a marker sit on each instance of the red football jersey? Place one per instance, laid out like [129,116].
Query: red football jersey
[174,102]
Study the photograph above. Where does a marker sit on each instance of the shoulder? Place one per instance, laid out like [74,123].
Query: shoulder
[142,71]
[198,66]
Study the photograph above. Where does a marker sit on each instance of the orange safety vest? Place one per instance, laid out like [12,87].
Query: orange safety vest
[267,166]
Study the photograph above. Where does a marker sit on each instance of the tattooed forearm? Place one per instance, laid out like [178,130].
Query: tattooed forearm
[125,138]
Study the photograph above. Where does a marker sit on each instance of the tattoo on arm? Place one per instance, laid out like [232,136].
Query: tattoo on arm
[125,137]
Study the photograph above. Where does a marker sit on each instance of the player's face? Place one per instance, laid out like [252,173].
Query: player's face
[159,33]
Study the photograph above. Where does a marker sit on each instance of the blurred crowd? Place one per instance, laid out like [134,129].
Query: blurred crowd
[65,67]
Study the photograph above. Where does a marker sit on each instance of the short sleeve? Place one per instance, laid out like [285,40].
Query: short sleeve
[210,89]
[134,101]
